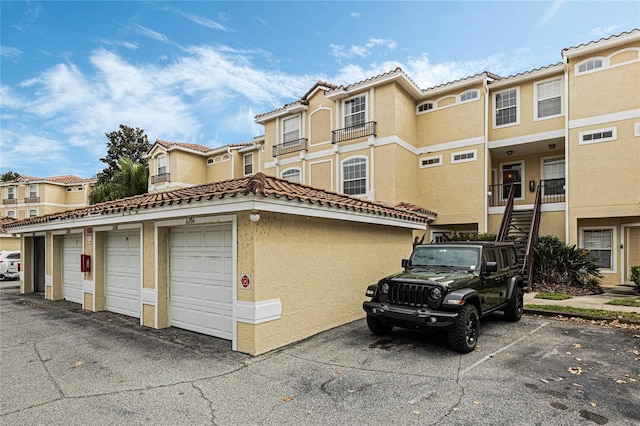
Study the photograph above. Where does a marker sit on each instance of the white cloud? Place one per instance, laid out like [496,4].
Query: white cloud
[146,32]
[361,51]
[605,31]
[10,52]
[549,13]
[205,22]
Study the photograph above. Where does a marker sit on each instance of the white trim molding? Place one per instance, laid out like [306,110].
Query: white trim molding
[258,312]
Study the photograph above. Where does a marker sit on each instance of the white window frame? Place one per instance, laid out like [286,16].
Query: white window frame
[517,106]
[366,178]
[159,159]
[473,152]
[430,161]
[604,64]
[69,189]
[296,140]
[614,245]
[33,212]
[537,99]
[522,178]
[33,194]
[544,176]
[11,193]
[364,110]
[613,137]
[210,161]
[246,163]
[11,213]
[433,107]
[292,171]
[476,96]
[636,130]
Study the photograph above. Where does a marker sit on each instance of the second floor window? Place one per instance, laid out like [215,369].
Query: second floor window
[11,193]
[549,98]
[248,164]
[33,191]
[290,131]
[162,164]
[506,107]
[355,111]
[354,176]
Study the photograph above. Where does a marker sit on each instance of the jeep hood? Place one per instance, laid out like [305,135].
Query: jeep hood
[450,279]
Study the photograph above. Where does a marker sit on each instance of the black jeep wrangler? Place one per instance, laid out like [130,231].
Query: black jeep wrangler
[449,285]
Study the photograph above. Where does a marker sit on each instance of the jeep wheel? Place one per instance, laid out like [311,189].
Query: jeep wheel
[513,311]
[463,334]
[377,327]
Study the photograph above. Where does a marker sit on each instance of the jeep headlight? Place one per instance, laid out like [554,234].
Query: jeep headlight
[384,288]
[436,293]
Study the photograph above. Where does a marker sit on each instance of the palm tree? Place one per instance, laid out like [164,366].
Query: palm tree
[131,179]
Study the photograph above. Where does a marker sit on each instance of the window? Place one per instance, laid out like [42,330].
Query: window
[595,136]
[431,161]
[69,189]
[549,98]
[291,131]
[354,176]
[11,193]
[599,242]
[80,188]
[461,157]
[211,160]
[33,213]
[553,172]
[354,111]
[248,164]
[589,65]
[470,95]
[425,107]
[292,175]
[33,191]
[161,161]
[506,107]
[512,174]
[11,213]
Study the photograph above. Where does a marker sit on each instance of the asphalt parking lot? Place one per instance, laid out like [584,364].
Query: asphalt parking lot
[61,365]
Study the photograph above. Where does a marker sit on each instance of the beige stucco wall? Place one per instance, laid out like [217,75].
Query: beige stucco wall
[10,243]
[318,268]
[187,168]
[221,169]
[395,174]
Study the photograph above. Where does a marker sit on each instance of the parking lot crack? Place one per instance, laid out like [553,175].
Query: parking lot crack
[211,409]
[44,365]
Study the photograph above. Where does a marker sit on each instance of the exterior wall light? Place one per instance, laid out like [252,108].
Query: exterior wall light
[509,152]
[254,216]
[552,145]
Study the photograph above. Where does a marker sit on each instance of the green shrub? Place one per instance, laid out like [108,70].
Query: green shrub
[635,277]
[472,236]
[557,263]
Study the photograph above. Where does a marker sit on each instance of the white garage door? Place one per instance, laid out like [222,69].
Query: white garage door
[122,274]
[201,293]
[71,276]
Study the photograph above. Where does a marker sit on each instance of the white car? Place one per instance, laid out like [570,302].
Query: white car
[9,265]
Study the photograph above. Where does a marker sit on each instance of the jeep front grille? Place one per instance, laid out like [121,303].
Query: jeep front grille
[415,295]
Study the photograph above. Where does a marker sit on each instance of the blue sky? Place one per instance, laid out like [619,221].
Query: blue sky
[199,72]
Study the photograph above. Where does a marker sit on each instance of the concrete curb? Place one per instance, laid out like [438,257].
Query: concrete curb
[550,313]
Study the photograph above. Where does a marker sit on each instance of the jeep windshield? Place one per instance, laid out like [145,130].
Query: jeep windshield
[466,258]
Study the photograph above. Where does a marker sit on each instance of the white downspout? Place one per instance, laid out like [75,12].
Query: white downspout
[486,155]
[565,60]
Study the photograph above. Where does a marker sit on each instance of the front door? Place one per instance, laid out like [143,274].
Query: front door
[512,175]
[634,250]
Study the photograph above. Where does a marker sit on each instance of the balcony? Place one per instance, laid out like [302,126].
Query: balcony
[31,200]
[9,201]
[164,177]
[553,191]
[354,132]
[291,146]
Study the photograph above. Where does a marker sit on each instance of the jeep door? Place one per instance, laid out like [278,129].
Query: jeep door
[491,281]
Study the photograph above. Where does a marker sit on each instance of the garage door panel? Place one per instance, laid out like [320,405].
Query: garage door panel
[201,293]
[122,280]
[72,278]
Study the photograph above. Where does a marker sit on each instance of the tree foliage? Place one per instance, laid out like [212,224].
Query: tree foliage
[557,263]
[124,142]
[130,179]
[9,176]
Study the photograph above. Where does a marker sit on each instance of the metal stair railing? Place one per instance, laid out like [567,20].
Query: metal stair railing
[508,214]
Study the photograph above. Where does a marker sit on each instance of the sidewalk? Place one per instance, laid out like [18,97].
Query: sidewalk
[596,301]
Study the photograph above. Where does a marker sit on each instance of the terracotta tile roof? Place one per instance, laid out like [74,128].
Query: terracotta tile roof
[416,209]
[5,220]
[258,184]
[191,146]
[610,38]
[64,180]
[525,73]
[460,80]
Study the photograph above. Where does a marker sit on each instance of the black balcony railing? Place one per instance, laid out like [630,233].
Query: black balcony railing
[552,191]
[164,177]
[290,146]
[32,200]
[9,201]
[354,132]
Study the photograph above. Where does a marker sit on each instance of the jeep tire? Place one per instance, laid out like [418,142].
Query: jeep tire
[463,333]
[377,327]
[513,311]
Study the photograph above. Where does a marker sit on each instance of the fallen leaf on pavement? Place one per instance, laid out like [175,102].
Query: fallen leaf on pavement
[288,399]
[416,412]
[78,363]
[575,370]
[577,385]
[544,380]
[620,382]
[577,345]
[593,404]
[353,390]
[455,408]
[476,402]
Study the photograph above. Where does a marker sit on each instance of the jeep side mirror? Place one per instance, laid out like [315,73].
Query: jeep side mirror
[406,263]
[491,267]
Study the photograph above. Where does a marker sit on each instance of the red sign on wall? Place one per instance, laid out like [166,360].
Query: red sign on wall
[245,282]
